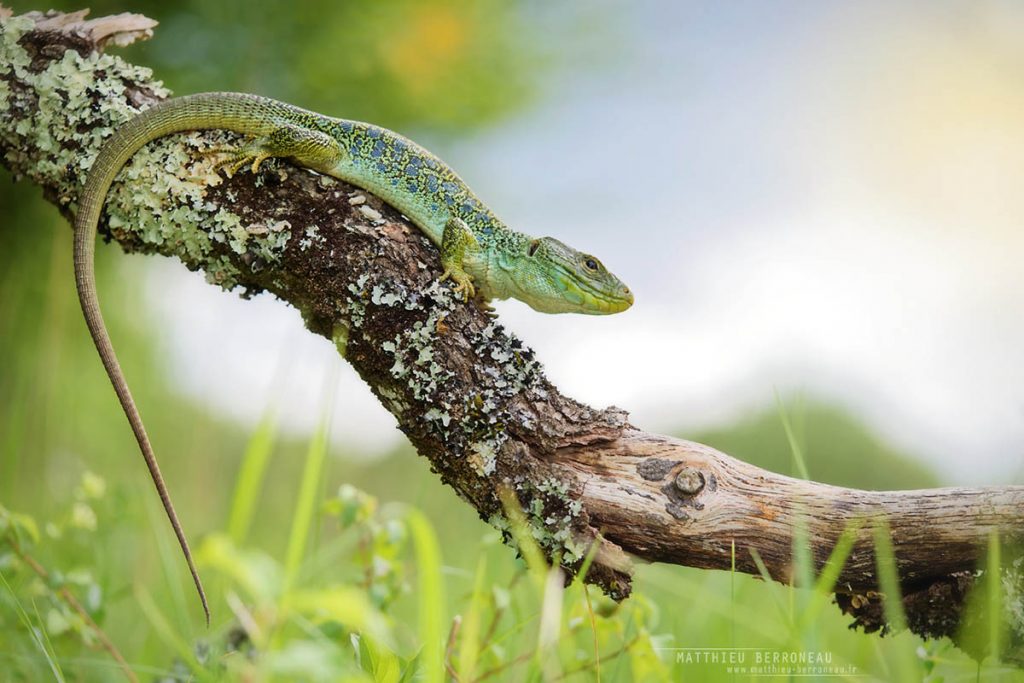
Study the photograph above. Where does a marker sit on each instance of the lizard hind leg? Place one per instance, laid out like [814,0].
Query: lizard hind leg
[307,147]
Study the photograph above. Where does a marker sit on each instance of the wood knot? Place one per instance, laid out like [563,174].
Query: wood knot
[689,481]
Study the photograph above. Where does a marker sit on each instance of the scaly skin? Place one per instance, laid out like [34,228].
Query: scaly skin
[480,254]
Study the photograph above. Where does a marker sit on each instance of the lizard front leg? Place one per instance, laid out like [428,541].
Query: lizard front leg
[457,237]
[309,148]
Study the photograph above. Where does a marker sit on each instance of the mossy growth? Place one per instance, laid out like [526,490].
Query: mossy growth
[553,517]
[59,113]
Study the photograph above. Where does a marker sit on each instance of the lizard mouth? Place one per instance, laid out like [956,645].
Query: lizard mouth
[620,303]
[625,300]
[602,301]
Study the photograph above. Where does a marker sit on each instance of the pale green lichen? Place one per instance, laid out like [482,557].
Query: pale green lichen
[380,297]
[392,401]
[476,427]
[312,237]
[193,226]
[356,306]
[554,532]
[220,271]
[481,431]
[436,414]
[12,54]
[413,349]
[1013,589]
[56,127]
[483,455]
[58,118]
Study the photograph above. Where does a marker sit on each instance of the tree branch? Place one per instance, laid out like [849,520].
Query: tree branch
[469,395]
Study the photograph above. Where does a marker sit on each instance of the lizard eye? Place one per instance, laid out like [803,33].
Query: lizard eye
[591,263]
[533,248]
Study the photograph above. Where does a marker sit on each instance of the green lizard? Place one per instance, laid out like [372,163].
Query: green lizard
[483,257]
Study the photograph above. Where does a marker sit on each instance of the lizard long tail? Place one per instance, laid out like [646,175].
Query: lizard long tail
[228,111]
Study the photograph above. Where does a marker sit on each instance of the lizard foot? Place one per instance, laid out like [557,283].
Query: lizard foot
[463,282]
[486,307]
[238,157]
[310,148]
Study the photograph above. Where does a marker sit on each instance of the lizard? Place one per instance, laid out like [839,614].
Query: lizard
[483,257]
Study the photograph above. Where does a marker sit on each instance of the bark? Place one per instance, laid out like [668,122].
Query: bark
[468,394]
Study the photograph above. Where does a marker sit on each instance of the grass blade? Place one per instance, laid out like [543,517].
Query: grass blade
[306,504]
[550,623]
[995,599]
[772,586]
[36,633]
[250,479]
[431,595]
[469,650]
[826,581]
[168,635]
[519,527]
[799,464]
[168,558]
[889,582]
[47,645]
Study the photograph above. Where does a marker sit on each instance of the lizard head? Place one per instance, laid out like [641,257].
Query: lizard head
[564,280]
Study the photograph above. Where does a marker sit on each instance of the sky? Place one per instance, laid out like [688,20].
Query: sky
[819,199]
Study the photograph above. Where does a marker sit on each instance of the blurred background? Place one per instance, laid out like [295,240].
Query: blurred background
[817,205]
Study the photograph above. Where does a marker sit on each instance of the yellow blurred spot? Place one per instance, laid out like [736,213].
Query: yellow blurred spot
[426,46]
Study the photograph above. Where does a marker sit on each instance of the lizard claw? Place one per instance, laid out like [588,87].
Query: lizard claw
[486,307]
[238,158]
[463,283]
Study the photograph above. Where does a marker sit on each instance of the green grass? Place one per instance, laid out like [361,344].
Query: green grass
[430,592]
[250,479]
[905,664]
[799,463]
[305,505]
